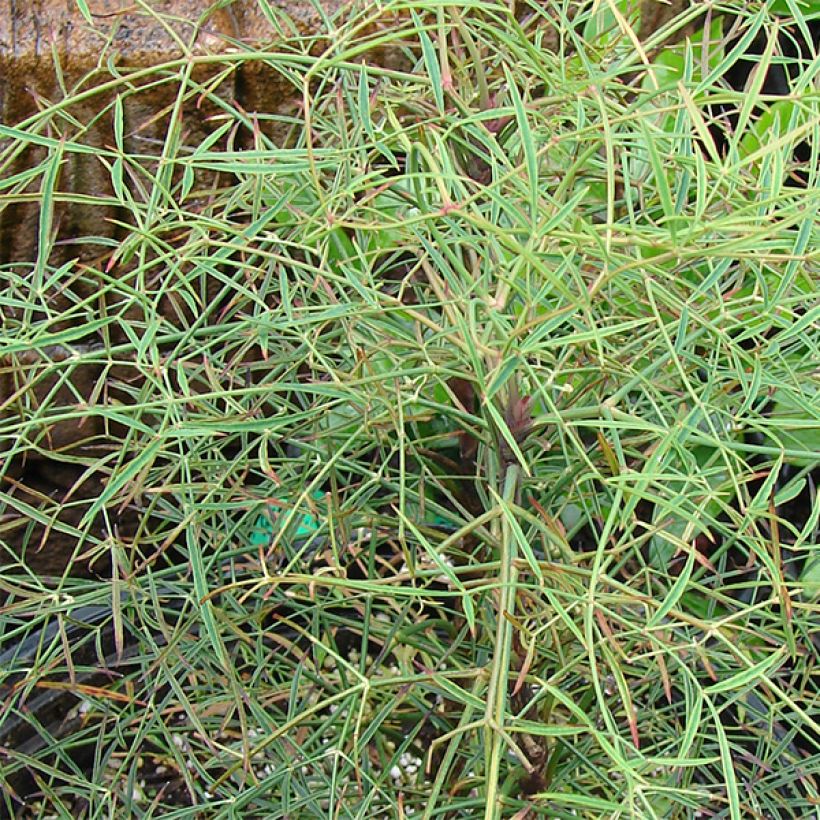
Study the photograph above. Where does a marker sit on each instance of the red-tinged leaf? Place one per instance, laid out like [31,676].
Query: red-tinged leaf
[787,602]
[555,524]
[706,665]
[609,454]
[633,729]
[607,630]
[704,561]
[525,668]
[518,415]
[667,684]
[94,691]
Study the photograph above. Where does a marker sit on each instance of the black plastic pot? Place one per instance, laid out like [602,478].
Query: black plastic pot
[32,723]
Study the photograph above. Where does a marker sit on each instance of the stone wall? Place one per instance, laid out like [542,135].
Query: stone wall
[47,47]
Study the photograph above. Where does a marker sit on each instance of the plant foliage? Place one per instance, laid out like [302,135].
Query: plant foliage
[464,414]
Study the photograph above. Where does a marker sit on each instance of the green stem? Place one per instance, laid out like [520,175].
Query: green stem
[499,675]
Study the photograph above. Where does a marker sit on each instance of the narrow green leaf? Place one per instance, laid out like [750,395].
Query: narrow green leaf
[527,142]
[503,373]
[508,437]
[583,801]
[678,588]
[658,172]
[430,61]
[446,569]
[46,221]
[727,764]
[365,116]
[790,491]
[747,676]
[82,5]
[120,479]
[119,123]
